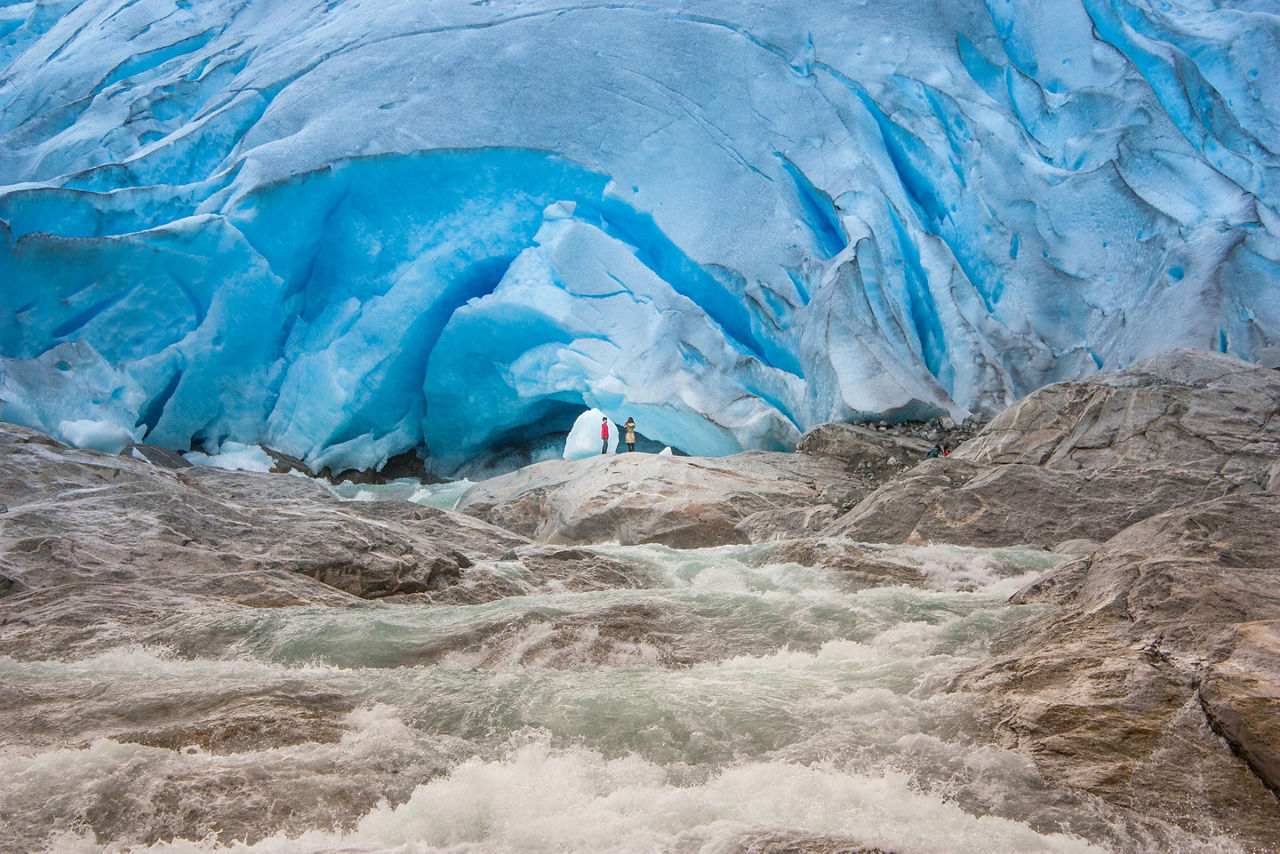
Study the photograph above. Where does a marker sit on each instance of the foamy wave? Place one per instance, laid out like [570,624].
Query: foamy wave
[540,799]
[963,568]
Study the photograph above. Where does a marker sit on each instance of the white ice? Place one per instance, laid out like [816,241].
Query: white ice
[584,439]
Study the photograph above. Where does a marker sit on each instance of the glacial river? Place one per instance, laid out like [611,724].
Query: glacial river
[797,712]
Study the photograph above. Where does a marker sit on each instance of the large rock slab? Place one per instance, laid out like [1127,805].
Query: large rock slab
[90,538]
[1185,409]
[1083,460]
[1155,680]
[683,502]
[958,502]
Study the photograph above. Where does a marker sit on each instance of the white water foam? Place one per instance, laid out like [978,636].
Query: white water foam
[839,724]
[540,799]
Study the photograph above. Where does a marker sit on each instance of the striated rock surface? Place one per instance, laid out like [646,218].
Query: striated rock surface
[1156,682]
[90,538]
[954,501]
[684,502]
[1082,460]
[1184,410]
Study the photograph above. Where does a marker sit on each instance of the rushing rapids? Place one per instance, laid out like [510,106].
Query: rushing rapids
[722,699]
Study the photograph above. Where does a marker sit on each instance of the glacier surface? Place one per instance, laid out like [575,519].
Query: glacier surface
[347,230]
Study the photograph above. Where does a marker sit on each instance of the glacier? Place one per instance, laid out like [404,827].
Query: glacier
[347,230]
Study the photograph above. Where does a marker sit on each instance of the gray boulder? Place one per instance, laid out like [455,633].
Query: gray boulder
[540,568]
[157,456]
[683,502]
[860,565]
[1155,680]
[786,523]
[882,454]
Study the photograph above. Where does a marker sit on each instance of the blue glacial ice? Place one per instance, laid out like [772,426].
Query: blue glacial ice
[349,230]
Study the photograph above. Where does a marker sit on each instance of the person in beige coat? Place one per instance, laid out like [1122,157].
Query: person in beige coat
[630,434]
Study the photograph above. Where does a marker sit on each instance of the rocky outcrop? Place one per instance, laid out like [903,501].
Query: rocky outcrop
[1082,460]
[944,432]
[684,502]
[1163,648]
[90,538]
[1152,680]
[880,453]
[1074,461]
[540,568]
[963,503]
[1184,410]
[859,564]
[1240,696]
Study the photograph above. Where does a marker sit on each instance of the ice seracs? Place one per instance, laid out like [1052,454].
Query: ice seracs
[84,401]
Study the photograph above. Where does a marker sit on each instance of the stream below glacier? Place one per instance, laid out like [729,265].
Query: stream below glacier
[815,716]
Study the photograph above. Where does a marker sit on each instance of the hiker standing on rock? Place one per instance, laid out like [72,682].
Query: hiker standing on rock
[604,435]
[630,436]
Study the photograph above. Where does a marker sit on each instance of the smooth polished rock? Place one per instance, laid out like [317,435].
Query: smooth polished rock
[92,542]
[962,503]
[683,502]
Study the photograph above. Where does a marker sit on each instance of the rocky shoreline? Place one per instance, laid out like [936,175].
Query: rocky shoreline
[1151,681]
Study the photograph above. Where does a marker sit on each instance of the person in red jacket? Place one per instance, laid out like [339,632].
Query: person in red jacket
[604,435]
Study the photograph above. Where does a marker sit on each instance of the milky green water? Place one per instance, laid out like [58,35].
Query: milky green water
[801,709]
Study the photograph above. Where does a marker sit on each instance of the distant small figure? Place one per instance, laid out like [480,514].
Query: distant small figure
[935,451]
[630,434]
[604,435]
[946,452]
